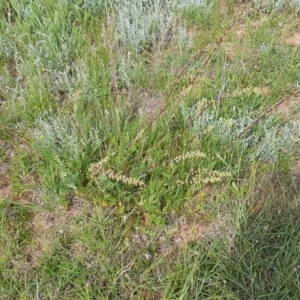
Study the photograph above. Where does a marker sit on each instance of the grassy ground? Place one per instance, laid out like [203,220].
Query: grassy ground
[149,150]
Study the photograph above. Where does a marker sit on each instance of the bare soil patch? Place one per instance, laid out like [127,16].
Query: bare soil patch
[47,228]
[289,106]
[186,231]
[243,28]
[4,183]
[294,40]
[146,105]
[182,232]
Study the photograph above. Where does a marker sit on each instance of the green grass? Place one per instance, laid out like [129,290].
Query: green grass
[142,159]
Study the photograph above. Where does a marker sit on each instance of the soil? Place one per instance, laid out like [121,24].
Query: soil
[294,40]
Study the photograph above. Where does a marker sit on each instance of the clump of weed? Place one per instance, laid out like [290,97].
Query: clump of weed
[142,25]
[273,5]
[266,141]
[66,144]
[136,29]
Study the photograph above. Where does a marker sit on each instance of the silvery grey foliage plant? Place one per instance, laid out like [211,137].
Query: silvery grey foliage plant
[267,142]
[274,5]
[140,26]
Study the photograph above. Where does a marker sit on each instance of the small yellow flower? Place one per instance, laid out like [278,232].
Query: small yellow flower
[121,208]
[104,203]
[42,137]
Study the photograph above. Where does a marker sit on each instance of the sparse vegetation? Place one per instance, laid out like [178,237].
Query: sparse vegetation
[149,149]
